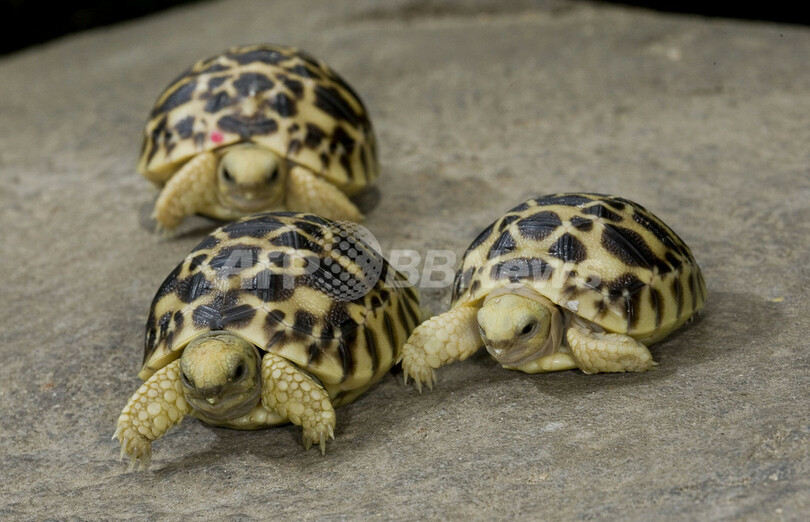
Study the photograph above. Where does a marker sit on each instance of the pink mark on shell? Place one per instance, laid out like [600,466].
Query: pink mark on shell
[217,137]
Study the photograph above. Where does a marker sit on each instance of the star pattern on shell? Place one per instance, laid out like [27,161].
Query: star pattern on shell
[605,258]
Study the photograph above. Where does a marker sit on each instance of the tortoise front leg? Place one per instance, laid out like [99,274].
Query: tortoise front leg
[293,394]
[596,352]
[451,336]
[307,192]
[158,405]
[190,190]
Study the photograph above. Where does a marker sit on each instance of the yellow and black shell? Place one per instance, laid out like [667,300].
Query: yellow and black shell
[278,97]
[603,258]
[311,290]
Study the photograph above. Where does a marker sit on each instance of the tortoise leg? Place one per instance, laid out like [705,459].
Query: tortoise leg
[190,190]
[307,192]
[449,337]
[158,405]
[597,352]
[293,394]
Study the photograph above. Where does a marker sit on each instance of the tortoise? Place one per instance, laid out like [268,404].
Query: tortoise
[564,281]
[273,318]
[258,128]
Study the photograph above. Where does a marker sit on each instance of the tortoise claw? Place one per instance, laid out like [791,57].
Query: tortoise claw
[136,446]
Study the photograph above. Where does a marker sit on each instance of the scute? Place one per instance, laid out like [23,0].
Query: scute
[603,258]
[336,315]
[279,97]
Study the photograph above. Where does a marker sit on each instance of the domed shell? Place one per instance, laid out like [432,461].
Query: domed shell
[278,97]
[303,287]
[603,258]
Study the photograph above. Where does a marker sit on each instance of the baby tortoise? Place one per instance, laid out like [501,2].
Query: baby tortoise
[273,318]
[564,281]
[258,128]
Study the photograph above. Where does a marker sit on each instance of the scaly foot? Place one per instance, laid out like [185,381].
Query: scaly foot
[451,336]
[291,393]
[158,405]
[607,352]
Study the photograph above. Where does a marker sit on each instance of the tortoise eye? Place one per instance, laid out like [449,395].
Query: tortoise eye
[184,378]
[227,175]
[273,176]
[240,372]
[528,329]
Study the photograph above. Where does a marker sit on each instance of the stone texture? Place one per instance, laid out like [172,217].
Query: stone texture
[478,105]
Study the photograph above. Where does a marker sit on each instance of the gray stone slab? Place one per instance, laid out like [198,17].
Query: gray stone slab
[478,105]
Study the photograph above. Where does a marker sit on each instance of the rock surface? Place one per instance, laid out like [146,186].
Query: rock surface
[478,105]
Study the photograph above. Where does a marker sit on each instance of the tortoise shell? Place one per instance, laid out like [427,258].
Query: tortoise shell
[311,290]
[278,97]
[604,258]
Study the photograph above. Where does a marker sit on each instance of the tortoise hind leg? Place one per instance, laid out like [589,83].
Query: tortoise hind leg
[597,352]
[158,405]
[449,337]
[293,394]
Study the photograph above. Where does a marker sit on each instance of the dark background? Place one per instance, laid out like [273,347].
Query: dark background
[29,22]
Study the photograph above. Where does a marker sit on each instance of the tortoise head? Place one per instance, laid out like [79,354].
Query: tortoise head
[519,327]
[250,177]
[220,375]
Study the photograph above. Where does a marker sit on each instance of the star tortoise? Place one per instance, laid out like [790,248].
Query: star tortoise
[564,281]
[258,128]
[275,317]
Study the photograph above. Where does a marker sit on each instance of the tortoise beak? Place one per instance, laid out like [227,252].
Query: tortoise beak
[505,352]
[212,394]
